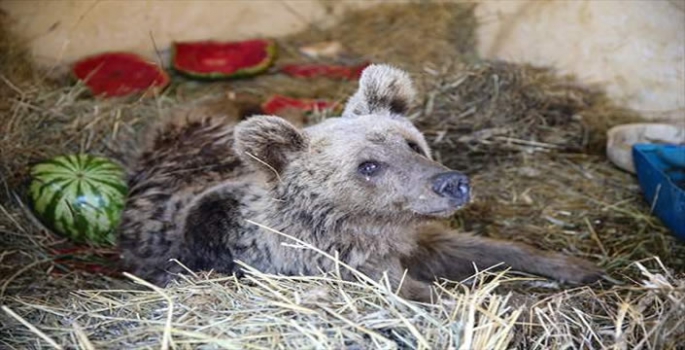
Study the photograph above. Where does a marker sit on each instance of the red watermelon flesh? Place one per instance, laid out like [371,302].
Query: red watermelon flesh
[87,259]
[324,70]
[119,74]
[223,60]
[278,104]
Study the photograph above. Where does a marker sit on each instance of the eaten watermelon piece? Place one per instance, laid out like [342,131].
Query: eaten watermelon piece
[93,260]
[324,70]
[280,104]
[119,74]
[211,59]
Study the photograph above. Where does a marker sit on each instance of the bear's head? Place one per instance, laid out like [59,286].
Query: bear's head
[370,162]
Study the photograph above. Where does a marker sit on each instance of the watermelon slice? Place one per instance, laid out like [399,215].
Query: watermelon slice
[281,104]
[120,74]
[210,59]
[96,260]
[324,70]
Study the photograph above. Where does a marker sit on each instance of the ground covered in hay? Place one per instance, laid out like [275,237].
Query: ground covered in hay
[531,141]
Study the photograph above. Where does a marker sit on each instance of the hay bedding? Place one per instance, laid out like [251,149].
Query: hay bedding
[528,138]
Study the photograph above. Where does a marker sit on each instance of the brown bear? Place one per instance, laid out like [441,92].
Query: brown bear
[362,186]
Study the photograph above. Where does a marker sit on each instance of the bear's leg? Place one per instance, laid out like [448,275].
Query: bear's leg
[410,288]
[208,231]
[158,270]
[444,253]
[203,244]
[147,246]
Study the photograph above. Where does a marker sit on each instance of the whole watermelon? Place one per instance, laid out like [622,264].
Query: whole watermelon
[79,196]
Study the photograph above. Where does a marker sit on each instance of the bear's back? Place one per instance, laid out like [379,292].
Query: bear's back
[184,157]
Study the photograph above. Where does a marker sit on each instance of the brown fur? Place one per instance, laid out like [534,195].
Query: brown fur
[200,178]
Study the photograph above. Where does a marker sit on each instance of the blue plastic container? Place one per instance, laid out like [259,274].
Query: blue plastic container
[661,173]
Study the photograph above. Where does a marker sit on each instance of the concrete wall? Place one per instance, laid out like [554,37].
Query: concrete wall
[635,48]
[65,30]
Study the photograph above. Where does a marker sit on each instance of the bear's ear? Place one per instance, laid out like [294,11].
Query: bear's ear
[383,89]
[268,143]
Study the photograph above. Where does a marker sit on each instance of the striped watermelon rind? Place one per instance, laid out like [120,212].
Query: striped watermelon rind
[79,196]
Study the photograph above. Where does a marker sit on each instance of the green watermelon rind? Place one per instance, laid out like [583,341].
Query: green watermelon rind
[153,89]
[271,55]
[80,230]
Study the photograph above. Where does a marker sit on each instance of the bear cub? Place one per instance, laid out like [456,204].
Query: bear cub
[363,186]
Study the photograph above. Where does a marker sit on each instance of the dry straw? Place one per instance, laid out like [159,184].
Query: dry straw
[529,138]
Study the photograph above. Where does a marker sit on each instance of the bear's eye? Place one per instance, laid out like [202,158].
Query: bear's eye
[415,147]
[369,168]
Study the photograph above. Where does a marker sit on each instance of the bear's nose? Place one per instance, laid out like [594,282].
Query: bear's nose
[452,185]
